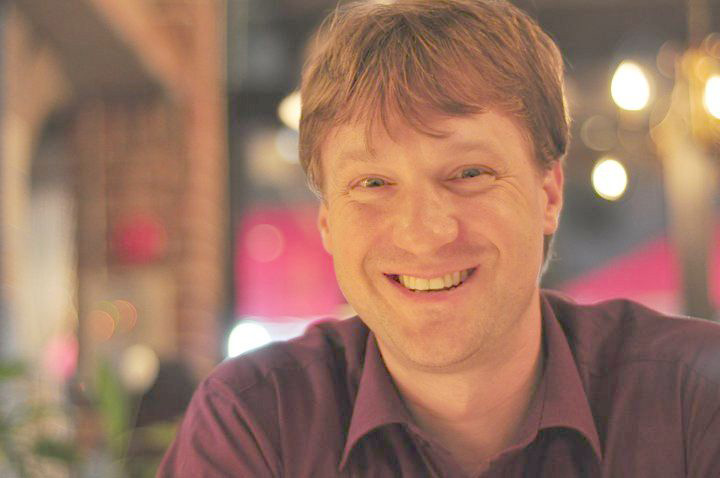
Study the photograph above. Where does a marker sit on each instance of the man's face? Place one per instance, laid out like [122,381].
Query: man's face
[408,221]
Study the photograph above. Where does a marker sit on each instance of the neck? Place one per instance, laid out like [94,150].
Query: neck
[475,411]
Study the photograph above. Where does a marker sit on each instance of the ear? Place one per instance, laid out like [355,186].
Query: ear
[553,180]
[324,227]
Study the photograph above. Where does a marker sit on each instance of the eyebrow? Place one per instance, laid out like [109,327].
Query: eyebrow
[475,145]
[351,156]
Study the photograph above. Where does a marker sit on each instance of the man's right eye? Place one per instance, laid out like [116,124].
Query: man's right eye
[372,183]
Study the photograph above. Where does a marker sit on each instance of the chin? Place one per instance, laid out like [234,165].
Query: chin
[437,349]
[441,359]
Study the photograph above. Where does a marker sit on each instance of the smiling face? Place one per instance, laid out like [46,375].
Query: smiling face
[437,242]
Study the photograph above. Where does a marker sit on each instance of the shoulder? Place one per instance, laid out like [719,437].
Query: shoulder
[327,348]
[254,414]
[618,332]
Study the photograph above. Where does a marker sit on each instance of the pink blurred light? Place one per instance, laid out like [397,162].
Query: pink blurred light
[139,239]
[649,274]
[61,356]
[298,281]
[264,242]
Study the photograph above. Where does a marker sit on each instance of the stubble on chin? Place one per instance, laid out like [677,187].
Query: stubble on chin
[434,347]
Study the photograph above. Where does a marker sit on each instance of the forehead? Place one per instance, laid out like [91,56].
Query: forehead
[491,131]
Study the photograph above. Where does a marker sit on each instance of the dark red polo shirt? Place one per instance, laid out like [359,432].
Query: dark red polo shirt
[626,393]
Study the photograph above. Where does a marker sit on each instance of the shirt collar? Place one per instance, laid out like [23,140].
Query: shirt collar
[565,403]
[377,402]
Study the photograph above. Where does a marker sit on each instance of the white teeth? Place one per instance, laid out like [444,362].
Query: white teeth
[436,283]
[407,281]
[421,284]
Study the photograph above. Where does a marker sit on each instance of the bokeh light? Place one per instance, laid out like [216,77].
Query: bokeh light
[138,368]
[109,307]
[61,356]
[668,55]
[100,325]
[711,98]
[264,242]
[127,315]
[711,44]
[599,133]
[290,109]
[247,336]
[609,179]
[630,87]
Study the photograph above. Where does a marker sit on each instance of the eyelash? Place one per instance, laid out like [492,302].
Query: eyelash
[480,172]
[363,182]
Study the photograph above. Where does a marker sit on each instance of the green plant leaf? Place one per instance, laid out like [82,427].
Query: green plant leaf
[114,408]
[158,435]
[62,451]
[11,369]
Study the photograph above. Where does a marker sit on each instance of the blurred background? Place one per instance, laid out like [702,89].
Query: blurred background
[154,218]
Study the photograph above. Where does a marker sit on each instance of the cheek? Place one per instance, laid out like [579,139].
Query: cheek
[353,234]
[511,221]
[356,223]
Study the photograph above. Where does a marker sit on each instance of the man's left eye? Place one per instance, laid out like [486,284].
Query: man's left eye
[372,183]
[472,173]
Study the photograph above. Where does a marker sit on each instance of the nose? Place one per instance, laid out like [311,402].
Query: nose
[424,221]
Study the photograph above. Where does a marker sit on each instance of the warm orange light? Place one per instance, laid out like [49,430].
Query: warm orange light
[711,98]
[127,315]
[101,325]
[630,87]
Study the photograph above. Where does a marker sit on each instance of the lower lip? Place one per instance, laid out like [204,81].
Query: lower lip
[434,296]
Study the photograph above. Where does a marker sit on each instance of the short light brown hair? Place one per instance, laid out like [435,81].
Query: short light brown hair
[371,61]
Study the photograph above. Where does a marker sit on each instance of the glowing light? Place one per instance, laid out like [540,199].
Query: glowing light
[138,369]
[247,336]
[711,44]
[630,87]
[667,58]
[712,96]
[61,356]
[101,325]
[610,179]
[289,110]
[599,133]
[109,307]
[127,315]
[264,243]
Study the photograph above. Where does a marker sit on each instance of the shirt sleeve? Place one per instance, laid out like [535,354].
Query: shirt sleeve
[216,440]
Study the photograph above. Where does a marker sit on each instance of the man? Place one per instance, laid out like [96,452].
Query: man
[434,132]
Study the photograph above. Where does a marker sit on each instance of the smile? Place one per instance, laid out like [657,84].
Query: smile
[444,282]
